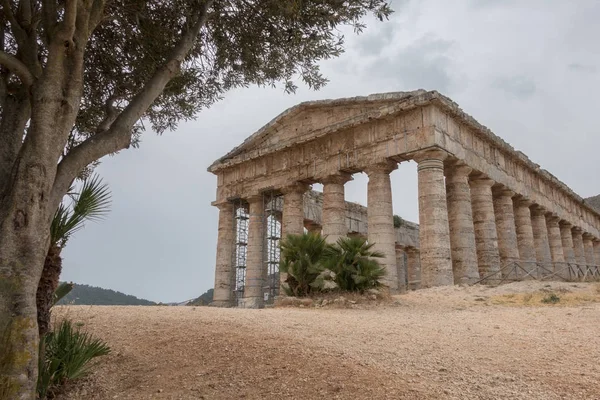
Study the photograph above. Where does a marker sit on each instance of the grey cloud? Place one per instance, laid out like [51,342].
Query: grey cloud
[519,86]
[490,3]
[424,64]
[373,42]
[588,69]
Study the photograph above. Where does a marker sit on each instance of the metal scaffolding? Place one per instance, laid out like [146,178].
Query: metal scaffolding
[273,206]
[241,218]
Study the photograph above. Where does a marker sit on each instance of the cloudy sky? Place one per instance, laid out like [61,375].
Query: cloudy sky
[529,70]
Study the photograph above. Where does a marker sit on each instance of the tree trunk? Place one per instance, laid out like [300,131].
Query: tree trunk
[19,274]
[47,287]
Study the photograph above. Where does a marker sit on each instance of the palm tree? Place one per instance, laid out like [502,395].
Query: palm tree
[354,263]
[301,256]
[91,203]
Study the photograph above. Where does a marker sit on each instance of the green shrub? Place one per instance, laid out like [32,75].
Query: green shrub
[301,257]
[552,298]
[325,281]
[354,263]
[313,265]
[68,353]
[398,221]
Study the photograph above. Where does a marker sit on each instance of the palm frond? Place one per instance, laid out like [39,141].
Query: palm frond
[91,203]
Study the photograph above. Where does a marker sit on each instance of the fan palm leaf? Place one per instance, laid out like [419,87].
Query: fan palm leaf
[91,203]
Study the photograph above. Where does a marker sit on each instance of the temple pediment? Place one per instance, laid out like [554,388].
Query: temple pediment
[313,119]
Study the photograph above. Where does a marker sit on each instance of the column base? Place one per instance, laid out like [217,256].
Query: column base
[252,302]
[221,303]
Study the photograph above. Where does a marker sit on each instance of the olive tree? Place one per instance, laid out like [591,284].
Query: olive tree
[78,78]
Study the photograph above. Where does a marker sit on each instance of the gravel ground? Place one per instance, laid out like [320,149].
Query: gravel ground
[451,343]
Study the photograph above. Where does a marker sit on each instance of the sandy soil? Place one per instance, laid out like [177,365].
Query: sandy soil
[451,343]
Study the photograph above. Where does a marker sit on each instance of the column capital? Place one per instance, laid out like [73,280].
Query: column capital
[296,187]
[479,179]
[588,236]
[537,210]
[340,178]
[384,167]
[577,230]
[565,224]
[502,191]
[552,219]
[522,201]
[222,205]
[596,240]
[430,154]
[457,169]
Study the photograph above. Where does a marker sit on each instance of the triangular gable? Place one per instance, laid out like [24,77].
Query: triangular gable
[298,123]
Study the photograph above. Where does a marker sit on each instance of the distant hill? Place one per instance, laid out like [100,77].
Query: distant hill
[204,299]
[594,202]
[91,295]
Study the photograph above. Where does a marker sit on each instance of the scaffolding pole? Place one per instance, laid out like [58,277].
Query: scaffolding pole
[241,218]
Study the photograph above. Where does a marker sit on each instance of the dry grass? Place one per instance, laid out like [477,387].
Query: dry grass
[549,298]
[339,300]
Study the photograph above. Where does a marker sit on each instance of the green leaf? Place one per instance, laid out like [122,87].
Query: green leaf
[91,203]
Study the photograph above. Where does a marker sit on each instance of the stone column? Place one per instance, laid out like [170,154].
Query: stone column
[597,251]
[460,219]
[556,246]
[413,268]
[293,209]
[542,245]
[292,220]
[380,219]
[578,249]
[486,235]
[588,247]
[566,236]
[224,270]
[253,291]
[507,232]
[525,239]
[401,267]
[434,232]
[334,207]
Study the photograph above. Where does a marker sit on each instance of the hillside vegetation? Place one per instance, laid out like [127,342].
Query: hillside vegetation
[203,300]
[92,295]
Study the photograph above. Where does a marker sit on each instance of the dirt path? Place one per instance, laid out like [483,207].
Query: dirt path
[454,343]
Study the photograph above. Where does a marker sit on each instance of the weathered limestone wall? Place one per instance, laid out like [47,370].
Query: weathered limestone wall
[356,220]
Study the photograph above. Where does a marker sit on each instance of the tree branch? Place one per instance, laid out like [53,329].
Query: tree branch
[17,67]
[17,29]
[69,20]
[118,136]
[96,15]
[49,18]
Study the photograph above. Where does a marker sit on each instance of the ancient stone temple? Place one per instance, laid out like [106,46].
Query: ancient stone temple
[486,212]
